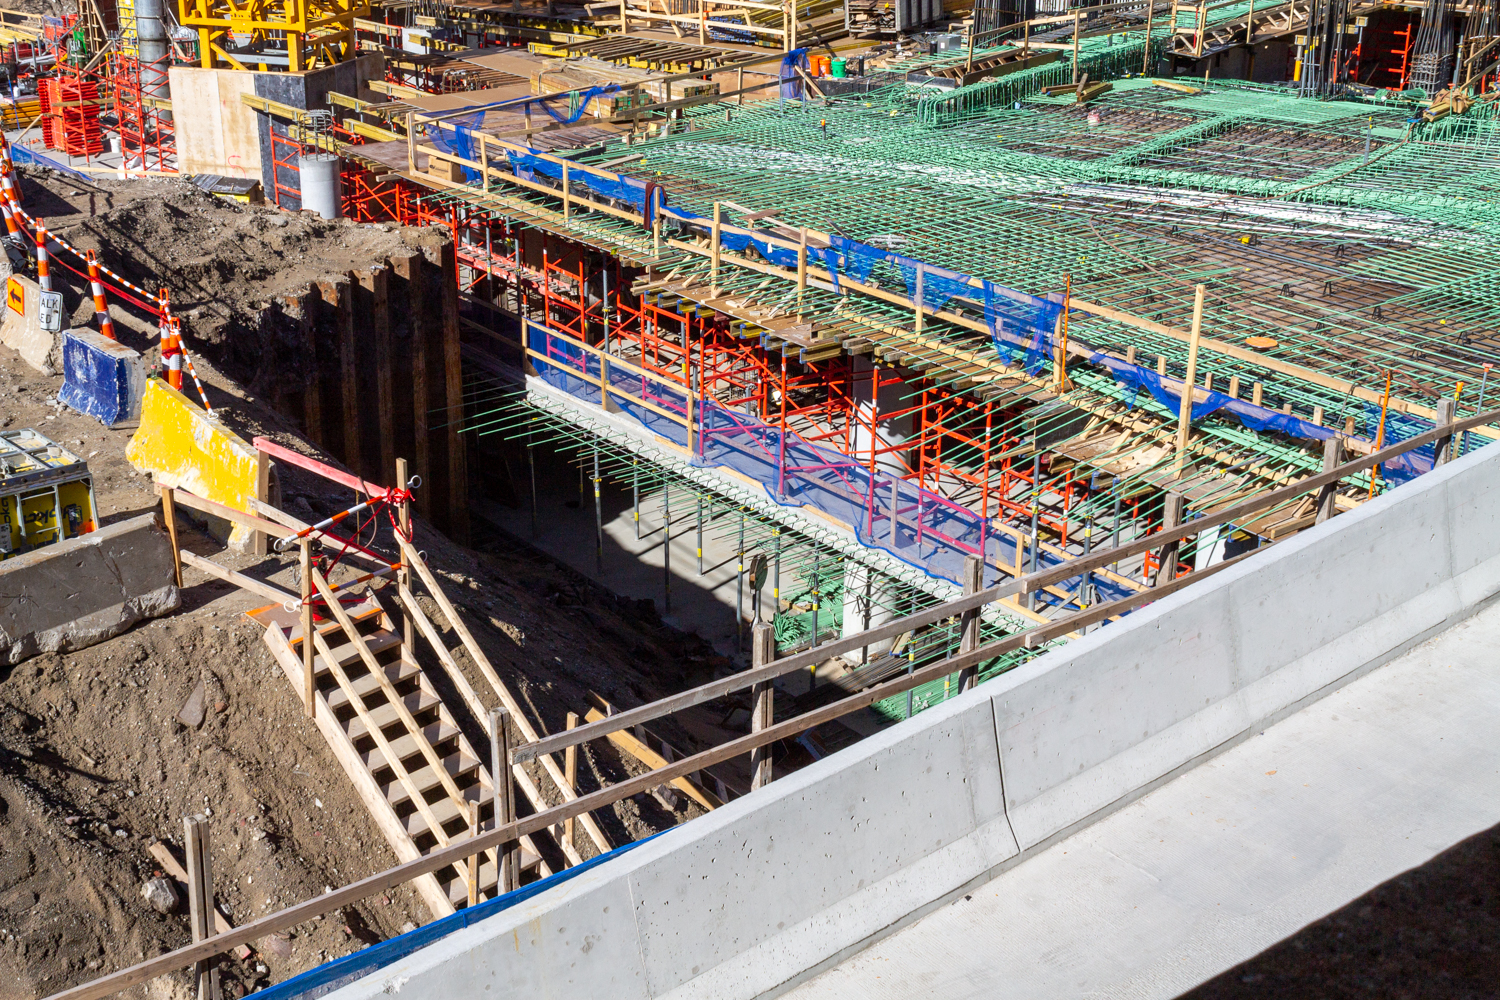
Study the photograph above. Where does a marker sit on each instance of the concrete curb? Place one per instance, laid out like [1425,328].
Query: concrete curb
[85,589]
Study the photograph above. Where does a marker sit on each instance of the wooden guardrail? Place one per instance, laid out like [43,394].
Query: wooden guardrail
[502,835]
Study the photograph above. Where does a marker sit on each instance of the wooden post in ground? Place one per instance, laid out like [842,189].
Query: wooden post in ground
[260,539]
[169,514]
[762,701]
[1332,456]
[309,682]
[474,859]
[200,901]
[509,875]
[570,775]
[1442,449]
[1171,517]
[1185,409]
[968,623]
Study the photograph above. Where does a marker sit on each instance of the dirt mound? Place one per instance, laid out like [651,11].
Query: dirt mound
[95,767]
[228,266]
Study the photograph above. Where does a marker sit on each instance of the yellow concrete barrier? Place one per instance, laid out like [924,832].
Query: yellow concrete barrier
[182,448]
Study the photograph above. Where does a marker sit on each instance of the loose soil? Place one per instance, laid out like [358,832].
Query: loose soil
[94,767]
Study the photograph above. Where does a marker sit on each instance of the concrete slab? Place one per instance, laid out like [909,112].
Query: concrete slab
[85,589]
[1229,858]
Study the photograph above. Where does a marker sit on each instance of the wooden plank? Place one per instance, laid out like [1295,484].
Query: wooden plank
[411,269]
[376,281]
[240,580]
[451,361]
[217,509]
[627,742]
[311,464]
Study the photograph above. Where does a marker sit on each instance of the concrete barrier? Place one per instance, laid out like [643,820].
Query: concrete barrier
[85,589]
[772,887]
[21,326]
[183,448]
[101,377]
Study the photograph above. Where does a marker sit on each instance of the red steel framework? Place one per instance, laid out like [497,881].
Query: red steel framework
[953,449]
[147,140]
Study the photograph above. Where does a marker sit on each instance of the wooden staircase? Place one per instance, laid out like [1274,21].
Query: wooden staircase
[399,743]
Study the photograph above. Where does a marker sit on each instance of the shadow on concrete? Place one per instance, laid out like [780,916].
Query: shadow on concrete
[1431,933]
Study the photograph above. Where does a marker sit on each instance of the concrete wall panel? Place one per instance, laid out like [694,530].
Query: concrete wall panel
[752,873]
[802,873]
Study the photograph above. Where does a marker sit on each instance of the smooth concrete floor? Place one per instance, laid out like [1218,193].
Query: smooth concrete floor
[1229,858]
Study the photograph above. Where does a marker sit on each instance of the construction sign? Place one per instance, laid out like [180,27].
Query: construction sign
[15,296]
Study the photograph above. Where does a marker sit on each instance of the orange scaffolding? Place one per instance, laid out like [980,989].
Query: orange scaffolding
[147,140]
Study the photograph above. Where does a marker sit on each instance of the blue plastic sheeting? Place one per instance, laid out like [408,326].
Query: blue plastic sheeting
[460,141]
[916,525]
[791,82]
[626,189]
[1399,427]
[20,153]
[341,972]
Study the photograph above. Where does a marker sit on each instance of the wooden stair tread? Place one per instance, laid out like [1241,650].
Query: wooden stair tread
[446,811]
[385,715]
[398,671]
[346,654]
[406,746]
[456,764]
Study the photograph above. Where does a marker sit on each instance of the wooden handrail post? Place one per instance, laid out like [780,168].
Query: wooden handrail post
[762,701]
[570,774]
[1171,517]
[509,876]
[309,682]
[403,518]
[259,539]
[1185,408]
[201,901]
[169,514]
[968,622]
[1442,448]
[1327,503]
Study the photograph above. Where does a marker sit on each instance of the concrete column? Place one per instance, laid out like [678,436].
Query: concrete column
[869,602]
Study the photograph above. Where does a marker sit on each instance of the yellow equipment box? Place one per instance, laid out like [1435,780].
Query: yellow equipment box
[46,493]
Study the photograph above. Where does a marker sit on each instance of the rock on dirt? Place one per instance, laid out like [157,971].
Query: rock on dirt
[161,894]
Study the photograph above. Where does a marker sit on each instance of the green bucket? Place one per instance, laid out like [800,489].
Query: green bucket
[840,69]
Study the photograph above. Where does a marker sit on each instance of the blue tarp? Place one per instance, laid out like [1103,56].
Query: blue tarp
[460,141]
[324,979]
[791,82]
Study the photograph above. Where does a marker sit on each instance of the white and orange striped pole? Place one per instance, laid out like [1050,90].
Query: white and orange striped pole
[101,308]
[43,271]
[171,348]
[12,228]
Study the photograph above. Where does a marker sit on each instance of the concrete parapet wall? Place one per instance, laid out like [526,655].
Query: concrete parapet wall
[85,589]
[774,886]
